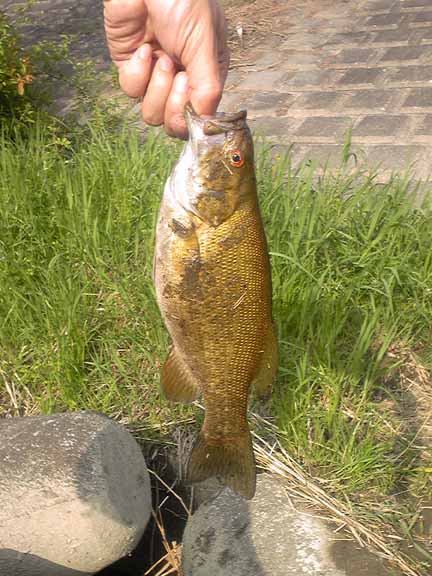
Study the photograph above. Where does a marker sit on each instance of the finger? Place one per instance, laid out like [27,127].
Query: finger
[175,124]
[134,74]
[207,66]
[125,27]
[206,91]
[158,90]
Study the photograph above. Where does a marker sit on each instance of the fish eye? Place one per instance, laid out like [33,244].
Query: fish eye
[236,158]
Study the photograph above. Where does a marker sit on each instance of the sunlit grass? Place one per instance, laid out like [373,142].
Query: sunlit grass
[79,326]
[352,273]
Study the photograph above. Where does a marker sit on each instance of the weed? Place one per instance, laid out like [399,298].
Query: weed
[352,275]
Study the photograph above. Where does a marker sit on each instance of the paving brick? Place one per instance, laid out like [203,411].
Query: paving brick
[231,101]
[257,80]
[423,35]
[421,19]
[268,101]
[419,98]
[425,128]
[323,128]
[386,5]
[369,100]
[328,155]
[384,21]
[361,77]
[381,125]
[304,79]
[298,58]
[273,127]
[406,53]
[409,4]
[393,157]
[386,37]
[349,39]
[353,56]
[302,38]
[317,101]
[408,75]
[234,78]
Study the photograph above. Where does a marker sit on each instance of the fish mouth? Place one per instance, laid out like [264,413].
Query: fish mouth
[218,123]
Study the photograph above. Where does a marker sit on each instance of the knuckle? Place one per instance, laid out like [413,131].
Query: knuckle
[151,117]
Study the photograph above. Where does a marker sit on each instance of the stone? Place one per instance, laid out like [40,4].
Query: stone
[267,536]
[268,101]
[397,158]
[381,125]
[392,20]
[424,35]
[361,77]
[425,128]
[256,80]
[386,37]
[409,4]
[422,19]
[407,75]
[304,79]
[369,100]
[74,494]
[322,127]
[419,98]
[405,53]
[318,101]
[270,126]
[354,56]
[349,39]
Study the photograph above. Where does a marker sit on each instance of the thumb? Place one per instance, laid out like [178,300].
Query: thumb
[207,72]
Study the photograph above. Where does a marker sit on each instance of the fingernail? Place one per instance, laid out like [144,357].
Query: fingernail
[165,63]
[144,52]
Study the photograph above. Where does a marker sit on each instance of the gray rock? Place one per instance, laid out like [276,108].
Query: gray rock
[267,536]
[74,494]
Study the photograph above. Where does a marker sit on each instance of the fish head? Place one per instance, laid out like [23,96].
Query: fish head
[218,165]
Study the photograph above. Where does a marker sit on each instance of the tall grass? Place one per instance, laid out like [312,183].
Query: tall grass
[79,327]
[352,273]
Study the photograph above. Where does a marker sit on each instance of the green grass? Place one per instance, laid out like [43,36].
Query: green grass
[79,326]
[352,274]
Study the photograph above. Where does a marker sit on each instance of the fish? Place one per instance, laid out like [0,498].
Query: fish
[213,285]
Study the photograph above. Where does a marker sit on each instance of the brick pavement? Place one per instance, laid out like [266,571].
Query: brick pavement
[363,65]
[360,65]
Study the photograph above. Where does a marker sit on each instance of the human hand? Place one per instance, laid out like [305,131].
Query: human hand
[169,52]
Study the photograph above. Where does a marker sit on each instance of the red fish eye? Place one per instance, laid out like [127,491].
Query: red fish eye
[237,159]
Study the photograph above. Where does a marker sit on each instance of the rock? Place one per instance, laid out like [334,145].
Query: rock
[267,536]
[74,494]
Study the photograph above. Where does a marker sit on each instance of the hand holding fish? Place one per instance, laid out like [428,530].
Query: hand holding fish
[169,52]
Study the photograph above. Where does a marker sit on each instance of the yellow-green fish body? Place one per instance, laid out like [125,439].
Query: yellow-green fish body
[213,284]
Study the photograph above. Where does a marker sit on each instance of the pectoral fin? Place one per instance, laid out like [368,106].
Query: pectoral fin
[177,381]
[262,382]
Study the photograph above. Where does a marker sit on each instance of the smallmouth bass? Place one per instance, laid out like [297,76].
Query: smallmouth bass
[213,285]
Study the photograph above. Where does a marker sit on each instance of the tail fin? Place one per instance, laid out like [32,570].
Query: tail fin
[232,462]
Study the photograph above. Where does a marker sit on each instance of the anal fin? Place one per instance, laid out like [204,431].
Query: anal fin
[177,381]
[263,380]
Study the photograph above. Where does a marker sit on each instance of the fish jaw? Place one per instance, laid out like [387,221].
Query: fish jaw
[205,181]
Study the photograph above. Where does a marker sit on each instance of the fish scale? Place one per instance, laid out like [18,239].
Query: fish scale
[213,284]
